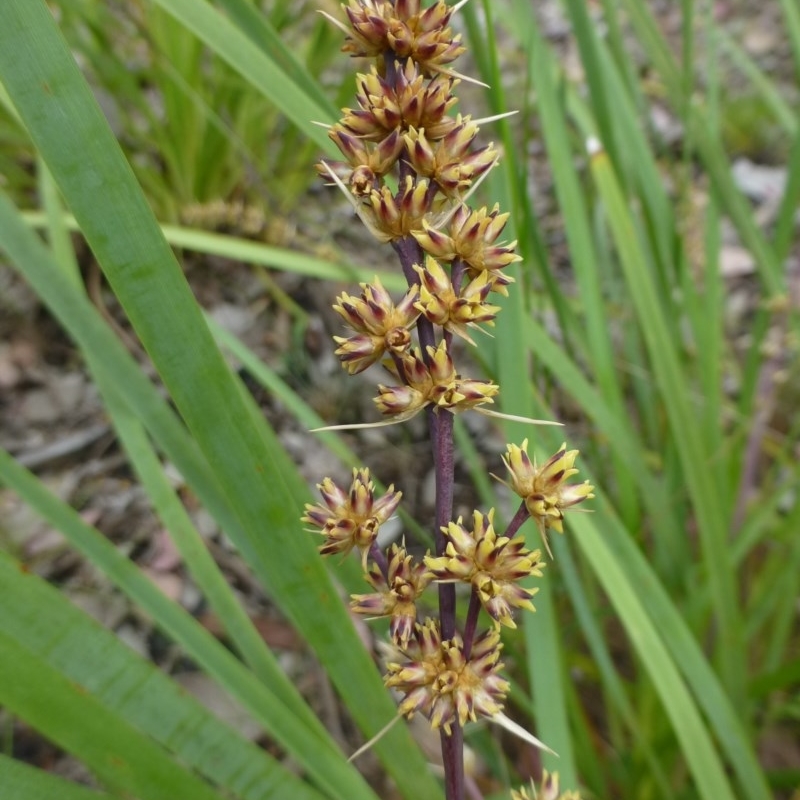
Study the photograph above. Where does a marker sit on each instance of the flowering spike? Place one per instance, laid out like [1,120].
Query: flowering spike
[410,166]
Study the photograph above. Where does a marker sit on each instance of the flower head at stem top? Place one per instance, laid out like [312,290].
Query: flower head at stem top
[396,593]
[493,564]
[545,490]
[439,682]
[404,28]
[351,518]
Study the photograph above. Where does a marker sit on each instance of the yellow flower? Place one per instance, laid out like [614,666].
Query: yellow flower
[351,519]
[432,382]
[493,564]
[396,593]
[440,683]
[545,489]
[379,325]
[454,311]
[471,236]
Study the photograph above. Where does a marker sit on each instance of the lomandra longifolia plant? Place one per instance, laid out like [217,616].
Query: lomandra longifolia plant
[410,166]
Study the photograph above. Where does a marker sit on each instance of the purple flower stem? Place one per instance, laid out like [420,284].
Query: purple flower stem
[472,622]
[516,523]
[441,429]
[453,759]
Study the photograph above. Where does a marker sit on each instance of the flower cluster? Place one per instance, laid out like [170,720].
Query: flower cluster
[545,490]
[396,593]
[351,519]
[409,167]
[492,564]
[402,135]
[438,679]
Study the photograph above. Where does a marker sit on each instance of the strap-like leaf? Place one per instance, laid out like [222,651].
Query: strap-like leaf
[135,691]
[122,757]
[22,782]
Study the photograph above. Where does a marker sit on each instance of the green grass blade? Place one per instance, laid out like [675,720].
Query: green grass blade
[254,64]
[109,357]
[571,200]
[57,231]
[86,327]
[664,620]
[251,467]
[710,149]
[603,660]
[791,14]
[542,635]
[264,255]
[123,759]
[696,744]
[780,108]
[170,510]
[22,782]
[515,181]
[257,27]
[207,575]
[84,322]
[323,760]
[140,694]
[685,651]
[603,108]
[712,519]
[278,389]
[785,225]
[608,425]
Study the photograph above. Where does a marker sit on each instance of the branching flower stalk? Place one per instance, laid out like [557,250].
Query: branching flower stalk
[410,165]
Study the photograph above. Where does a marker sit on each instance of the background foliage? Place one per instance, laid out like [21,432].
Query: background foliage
[664,654]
